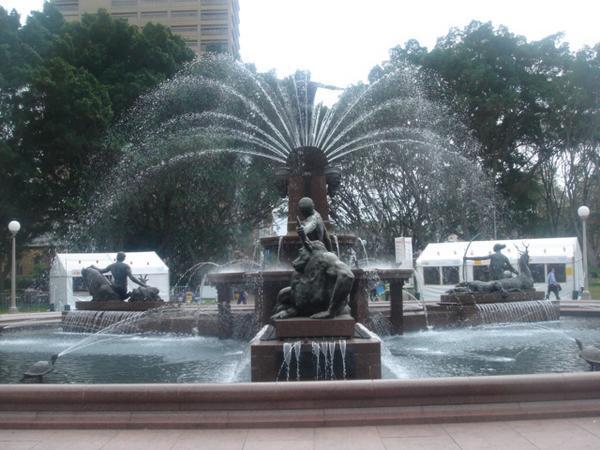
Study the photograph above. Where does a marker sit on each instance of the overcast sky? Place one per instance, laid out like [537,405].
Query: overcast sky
[339,41]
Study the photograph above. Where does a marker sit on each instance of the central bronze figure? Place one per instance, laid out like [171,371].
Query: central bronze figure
[320,284]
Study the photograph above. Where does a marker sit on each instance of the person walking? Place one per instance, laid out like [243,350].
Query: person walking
[553,286]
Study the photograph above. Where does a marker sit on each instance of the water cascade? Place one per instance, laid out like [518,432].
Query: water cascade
[527,311]
[322,360]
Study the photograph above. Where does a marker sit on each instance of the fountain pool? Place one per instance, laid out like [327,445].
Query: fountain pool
[519,348]
[125,358]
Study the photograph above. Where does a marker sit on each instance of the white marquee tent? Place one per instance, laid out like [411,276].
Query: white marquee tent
[440,266]
[66,284]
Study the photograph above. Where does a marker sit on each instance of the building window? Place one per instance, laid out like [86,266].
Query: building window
[124,15]
[64,7]
[214,2]
[537,272]
[184,28]
[154,1]
[431,275]
[191,42]
[123,3]
[220,16]
[185,13]
[214,30]
[559,272]
[450,275]
[147,14]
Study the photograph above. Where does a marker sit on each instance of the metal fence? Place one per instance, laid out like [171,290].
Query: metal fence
[27,300]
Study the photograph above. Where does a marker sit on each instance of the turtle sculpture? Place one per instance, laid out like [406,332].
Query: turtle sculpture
[39,369]
[590,354]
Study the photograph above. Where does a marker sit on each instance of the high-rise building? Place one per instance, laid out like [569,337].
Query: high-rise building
[205,25]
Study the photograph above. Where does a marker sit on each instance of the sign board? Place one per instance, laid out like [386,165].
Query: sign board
[404,252]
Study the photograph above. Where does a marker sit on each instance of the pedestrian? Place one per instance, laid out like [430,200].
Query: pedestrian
[553,286]
[242,298]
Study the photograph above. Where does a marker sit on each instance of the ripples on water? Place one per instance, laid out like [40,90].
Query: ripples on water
[522,348]
[488,350]
[126,359]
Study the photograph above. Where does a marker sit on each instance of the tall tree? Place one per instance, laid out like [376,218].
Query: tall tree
[505,89]
[62,85]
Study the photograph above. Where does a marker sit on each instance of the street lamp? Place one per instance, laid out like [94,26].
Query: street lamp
[584,212]
[14,228]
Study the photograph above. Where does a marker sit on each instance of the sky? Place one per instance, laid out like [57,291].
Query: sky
[340,41]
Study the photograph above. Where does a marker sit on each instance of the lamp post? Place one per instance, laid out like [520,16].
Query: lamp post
[584,212]
[14,228]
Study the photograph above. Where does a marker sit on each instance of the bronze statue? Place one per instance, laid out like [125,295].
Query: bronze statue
[320,284]
[120,271]
[312,223]
[522,282]
[498,262]
[100,288]
[145,294]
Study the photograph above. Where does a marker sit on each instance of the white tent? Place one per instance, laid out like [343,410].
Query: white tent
[66,284]
[440,266]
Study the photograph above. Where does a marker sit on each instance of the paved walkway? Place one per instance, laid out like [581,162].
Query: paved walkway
[581,433]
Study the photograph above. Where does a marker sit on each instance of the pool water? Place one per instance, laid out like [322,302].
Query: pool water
[518,348]
[125,358]
[521,348]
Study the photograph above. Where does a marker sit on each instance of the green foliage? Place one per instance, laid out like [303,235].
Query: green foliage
[526,102]
[199,209]
[62,85]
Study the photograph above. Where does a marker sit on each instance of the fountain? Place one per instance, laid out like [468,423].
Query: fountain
[276,123]
[280,121]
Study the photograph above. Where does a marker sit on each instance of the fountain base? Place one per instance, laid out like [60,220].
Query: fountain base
[317,357]
[478,298]
[117,305]
[304,327]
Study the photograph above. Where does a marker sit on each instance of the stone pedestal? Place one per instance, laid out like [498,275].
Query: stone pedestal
[274,358]
[304,327]
[480,298]
[274,280]
[117,305]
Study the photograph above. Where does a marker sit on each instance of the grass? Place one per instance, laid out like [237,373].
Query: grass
[25,309]
[595,288]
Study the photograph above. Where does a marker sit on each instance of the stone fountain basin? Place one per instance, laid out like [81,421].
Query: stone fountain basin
[347,403]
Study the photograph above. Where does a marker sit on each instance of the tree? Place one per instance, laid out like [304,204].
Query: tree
[518,97]
[413,191]
[534,108]
[62,85]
